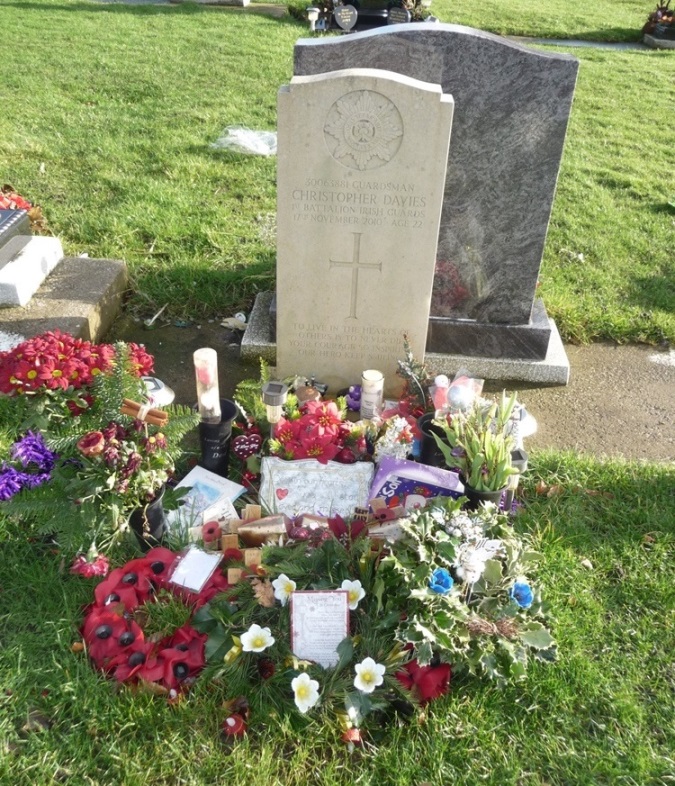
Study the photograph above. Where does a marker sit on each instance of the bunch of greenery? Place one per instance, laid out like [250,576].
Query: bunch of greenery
[461,579]
[264,678]
[479,443]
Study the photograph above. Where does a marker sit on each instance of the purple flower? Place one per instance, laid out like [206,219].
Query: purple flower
[31,449]
[10,482]
[29,481]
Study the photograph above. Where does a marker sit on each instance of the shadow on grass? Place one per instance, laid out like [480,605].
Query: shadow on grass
[154,7]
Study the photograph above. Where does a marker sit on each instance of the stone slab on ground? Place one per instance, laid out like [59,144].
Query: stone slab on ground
[82,296]
[258,342]
[658,43]
[25,262]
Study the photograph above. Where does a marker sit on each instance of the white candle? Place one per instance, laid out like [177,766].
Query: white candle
[372,393]
[206,375]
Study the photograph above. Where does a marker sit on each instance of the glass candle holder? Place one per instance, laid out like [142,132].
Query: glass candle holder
[372,393]
[206,375]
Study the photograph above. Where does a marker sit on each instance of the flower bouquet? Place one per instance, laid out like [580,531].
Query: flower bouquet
[452,594]
[91,465]
[479,444]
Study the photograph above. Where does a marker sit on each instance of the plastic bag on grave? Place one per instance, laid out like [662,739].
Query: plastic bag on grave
[239,139]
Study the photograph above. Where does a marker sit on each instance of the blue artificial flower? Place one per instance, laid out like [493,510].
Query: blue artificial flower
[32,449]
[521,592]
[441,581]
[10,482]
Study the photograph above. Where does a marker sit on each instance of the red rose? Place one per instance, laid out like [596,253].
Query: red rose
[427,682]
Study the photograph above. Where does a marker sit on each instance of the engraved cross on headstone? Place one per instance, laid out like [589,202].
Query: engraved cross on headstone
[355,265]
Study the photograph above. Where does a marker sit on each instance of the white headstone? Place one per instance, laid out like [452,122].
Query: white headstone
[25,262]
[361,173]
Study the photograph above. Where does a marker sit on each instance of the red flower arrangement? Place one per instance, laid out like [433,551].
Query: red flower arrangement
[56,360]
[115,641]
[320,433]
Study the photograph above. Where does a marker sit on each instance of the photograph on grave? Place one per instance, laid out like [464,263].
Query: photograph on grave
[359,195]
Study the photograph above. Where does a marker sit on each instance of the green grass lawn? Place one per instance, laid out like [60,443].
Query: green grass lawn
[619,21]
[108,127]
[603,714]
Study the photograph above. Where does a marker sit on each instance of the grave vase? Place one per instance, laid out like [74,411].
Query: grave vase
[149,523]
[430,453]
[475,497]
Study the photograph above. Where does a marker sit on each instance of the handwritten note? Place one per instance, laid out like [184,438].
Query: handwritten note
[319,622]
[307,486]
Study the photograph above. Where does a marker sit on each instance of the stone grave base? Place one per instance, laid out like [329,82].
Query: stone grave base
[81,296]
[658,43]
[259,341]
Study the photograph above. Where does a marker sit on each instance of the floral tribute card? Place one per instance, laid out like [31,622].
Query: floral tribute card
[319,622]
[307,486]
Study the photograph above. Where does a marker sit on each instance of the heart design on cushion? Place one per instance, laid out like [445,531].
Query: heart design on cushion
[246,445]
[282,494]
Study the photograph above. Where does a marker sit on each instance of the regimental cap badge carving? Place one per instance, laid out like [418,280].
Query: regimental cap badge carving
[363,129]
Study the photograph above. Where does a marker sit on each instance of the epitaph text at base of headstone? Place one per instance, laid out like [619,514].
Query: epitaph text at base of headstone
[359,196]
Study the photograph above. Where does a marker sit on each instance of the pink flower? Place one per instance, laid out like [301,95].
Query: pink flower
[322,417]
[87,566]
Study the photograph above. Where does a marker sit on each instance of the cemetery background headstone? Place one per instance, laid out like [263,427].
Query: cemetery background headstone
[512,110]
[359,194]
[345,16]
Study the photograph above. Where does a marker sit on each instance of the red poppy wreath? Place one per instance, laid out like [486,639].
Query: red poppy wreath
[116,642]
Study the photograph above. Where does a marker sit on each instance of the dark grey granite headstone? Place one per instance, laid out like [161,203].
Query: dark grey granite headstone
[512,105]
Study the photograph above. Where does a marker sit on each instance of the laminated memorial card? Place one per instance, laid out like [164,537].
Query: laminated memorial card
[319,622]
[359,196]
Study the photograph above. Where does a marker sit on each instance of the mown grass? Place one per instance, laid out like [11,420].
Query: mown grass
[603,714]
[108,127]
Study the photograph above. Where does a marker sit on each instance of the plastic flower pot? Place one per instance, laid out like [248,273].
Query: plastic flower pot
[149,523]
[475,497]
[430,453]
[214,440]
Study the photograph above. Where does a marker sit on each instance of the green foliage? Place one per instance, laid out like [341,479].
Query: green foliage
[475,625]
[265,678]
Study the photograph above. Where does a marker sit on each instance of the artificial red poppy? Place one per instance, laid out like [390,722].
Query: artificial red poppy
[234,726]
[211,532]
